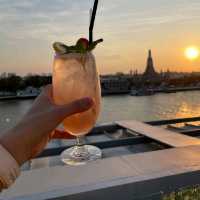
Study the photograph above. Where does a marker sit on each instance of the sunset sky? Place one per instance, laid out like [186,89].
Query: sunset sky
[129,28]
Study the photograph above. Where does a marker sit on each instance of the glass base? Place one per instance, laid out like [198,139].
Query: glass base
[80,155]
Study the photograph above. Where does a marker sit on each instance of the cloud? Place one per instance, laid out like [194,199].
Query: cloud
[41,19]
[49,19]
[124,24]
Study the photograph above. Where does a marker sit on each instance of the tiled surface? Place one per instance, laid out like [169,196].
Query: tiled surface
[53,178]
[107,153]
[170,138]
[105,173]
[48,177]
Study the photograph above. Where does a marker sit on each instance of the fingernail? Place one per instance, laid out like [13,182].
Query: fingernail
[87,102]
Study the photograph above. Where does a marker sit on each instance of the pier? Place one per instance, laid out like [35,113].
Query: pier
[177,89]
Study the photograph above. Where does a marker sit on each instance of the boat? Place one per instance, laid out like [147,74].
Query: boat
[28,92]
[142,92]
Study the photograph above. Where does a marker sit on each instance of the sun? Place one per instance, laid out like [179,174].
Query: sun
[192,53]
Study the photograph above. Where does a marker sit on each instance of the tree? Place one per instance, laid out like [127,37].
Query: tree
[10,82]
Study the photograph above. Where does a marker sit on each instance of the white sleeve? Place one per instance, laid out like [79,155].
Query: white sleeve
[9,168]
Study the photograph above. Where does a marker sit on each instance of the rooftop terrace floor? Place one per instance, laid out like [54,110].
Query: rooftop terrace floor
[135,165]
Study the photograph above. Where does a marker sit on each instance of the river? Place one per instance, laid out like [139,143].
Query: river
[159,106]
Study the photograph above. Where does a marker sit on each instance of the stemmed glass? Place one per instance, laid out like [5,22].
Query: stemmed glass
[75,76]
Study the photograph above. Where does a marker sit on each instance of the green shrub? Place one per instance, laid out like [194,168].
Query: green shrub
[185,194]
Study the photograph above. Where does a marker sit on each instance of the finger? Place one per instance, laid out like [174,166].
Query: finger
[61,135]
[77,106]
[48,90]
[43,101]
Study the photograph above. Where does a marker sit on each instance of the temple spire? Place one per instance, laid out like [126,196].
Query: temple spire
[150,72]
[150,53]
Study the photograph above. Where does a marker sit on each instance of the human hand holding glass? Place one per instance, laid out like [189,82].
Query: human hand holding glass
[38,126]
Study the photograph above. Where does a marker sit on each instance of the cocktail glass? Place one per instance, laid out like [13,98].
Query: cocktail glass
[75,76]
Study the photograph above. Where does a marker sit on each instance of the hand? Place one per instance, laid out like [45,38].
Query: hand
[29,137]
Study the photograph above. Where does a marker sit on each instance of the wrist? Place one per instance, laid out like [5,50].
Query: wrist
[9,168]
[11,142]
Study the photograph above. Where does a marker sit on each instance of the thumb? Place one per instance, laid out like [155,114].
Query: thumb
[74,107]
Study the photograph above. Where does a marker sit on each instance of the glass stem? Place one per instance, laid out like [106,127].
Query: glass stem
[80,151]
[79,141]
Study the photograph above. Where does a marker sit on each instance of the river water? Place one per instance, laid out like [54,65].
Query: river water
[159,106]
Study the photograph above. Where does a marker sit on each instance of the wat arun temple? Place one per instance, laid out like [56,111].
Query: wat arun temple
[150,72]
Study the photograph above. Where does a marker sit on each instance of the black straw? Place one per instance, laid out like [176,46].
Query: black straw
[92,21]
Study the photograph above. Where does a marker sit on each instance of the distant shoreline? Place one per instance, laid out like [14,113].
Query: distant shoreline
[17,97]
[170,90]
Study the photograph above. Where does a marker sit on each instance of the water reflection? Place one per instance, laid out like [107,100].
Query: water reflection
[12,111]
[187,110]
[160,106]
